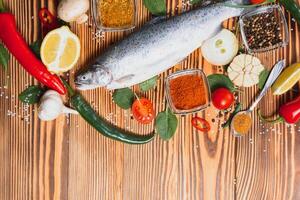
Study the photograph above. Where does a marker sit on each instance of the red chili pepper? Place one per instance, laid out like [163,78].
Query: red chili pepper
[200,124]
[17,46]
[257,1]
[289,112]
[49,21]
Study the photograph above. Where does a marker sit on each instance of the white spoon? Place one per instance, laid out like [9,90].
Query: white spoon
[278,67]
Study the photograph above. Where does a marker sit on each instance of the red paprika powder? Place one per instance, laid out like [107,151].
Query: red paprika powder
[188,92]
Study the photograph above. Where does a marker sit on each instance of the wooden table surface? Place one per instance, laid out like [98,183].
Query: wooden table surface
[67,159]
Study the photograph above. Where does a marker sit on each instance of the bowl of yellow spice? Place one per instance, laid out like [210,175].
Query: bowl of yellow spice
[241,123]
[114,15]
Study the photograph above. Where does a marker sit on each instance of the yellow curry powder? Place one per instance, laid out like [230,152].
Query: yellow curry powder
[242,123]
[116,13]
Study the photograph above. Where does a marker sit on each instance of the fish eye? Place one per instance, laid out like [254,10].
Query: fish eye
[83,78]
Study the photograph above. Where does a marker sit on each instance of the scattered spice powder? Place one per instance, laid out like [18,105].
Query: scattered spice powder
[262,30]
[242,123]
[187,92]
[117,13]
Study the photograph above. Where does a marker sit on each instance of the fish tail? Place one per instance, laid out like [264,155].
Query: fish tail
[243,6]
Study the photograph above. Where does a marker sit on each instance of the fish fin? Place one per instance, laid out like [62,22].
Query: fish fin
[125,78]
[156,20]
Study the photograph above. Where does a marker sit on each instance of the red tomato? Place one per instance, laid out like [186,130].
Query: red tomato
[257,1]
[142,110]
[200,124]
[222,98]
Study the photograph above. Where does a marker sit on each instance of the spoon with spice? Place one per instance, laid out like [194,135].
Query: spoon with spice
[241,122]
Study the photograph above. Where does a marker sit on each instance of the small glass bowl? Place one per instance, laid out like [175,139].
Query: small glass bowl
[280,20]
[100,26]
[182,73]
[232,129]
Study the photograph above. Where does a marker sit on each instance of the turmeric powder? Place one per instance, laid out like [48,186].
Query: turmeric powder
[242,123]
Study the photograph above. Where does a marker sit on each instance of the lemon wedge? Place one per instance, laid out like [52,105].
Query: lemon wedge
[287,79]
[60,50]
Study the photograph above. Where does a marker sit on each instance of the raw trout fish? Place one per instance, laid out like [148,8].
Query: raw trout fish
[156,47]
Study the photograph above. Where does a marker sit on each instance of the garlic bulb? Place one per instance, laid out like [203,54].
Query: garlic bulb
[73,10]
[244,70]
[51,106]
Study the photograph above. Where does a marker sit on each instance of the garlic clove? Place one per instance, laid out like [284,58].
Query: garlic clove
[51,106]
[49,109]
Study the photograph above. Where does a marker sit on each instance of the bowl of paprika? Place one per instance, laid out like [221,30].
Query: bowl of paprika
[187,91]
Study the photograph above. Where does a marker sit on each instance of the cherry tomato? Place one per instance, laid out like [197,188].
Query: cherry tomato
[200,124]
[142,110]
[257,1]
[222,98]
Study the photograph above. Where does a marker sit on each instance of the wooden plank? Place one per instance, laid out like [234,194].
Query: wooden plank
[190,166]
[266,159]
[67,159]
[33,153]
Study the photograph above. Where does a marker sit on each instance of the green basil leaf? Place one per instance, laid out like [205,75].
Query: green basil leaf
[123,98]
[263,76]
[195,1]
[220,80]
[32,94]
[166,124]
[4,57]
[241,50]
[36,47]
[237,109]
[148,84]
[63,23]
[156,7]
[2,8]
[225,67]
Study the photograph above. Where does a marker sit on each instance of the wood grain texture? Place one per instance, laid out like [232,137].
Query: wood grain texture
[67,159]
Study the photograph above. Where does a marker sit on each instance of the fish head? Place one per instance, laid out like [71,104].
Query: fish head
[94,77]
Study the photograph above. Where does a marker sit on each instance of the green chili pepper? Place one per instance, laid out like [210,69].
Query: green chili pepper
[100,124]
[32,94]
[293,7]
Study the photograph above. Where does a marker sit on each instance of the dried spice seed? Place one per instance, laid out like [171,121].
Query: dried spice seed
[116,13]
[260,34]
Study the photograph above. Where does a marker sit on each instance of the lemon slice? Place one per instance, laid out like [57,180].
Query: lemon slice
[287,79]
[60,50]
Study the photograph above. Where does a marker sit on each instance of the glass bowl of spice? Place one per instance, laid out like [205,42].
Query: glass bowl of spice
[241,123]
[187,91]
[264,29]
[114,15]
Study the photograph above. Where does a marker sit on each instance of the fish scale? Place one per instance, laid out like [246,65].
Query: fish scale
[156,47]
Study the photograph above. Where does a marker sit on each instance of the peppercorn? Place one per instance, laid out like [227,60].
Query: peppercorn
[262,30]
